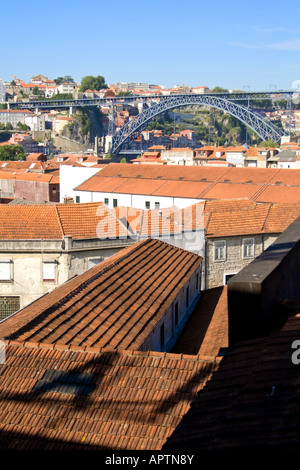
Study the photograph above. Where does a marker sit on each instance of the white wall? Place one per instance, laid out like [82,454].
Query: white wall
[287,165]
[133,200]
[72,176]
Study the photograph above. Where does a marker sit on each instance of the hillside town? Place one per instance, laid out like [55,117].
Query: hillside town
[140,297]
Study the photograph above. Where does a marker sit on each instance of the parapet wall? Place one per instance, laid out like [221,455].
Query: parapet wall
[255,293]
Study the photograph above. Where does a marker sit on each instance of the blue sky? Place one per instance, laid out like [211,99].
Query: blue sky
[247,45]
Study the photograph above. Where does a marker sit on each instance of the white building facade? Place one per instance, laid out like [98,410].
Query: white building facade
[2,92]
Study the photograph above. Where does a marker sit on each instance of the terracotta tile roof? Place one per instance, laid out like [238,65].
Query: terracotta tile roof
[55,398]
[236,223]
[90,220]
[181,189]
[233,218]
[28,222]
[252,400]
[250,175]
[228,205]
[181,149]
[229,191]
[222,218]
[226,182]
[130,217]
[285,177]
[206,331]
[138,187]
[20,165]
[279,194]
[115,304]
[170,172]
[30,176]
[281,216]
[238,148]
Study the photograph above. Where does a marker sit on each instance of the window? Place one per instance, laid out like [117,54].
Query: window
[220,250]
[227,277]
[49,270]
[106,201]
[77,199]
[5,270]
[147,204]
[248,248]
[162,335]
[115,202]
[157,205]
[176,314]
[187,296]
[8,306]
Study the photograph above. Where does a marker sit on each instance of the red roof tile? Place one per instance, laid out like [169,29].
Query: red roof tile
[251,402]
[26,222]
[173,180]
[116,304]
[79,398]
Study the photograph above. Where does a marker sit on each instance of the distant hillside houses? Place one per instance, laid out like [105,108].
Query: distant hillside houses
[286,156]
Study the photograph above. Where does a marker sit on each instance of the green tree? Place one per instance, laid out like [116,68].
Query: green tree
[123,93]
[12,152]
[268,143]
[8,126]
[92,83]
[65,79]
[218,89]
[123,160]
[61,96]
[35,90]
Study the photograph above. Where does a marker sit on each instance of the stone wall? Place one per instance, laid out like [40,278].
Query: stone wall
[217,270]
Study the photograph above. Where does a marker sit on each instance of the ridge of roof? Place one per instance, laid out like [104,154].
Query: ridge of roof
[59,221]
[97,350]
[140,271]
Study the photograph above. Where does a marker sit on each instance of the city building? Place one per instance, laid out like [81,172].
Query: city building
[251,402]
[131,306]
[163,186]
[43,246]
[14,117]
[228,235]
[30,186]
[29,144]
[229,382]
[2,92]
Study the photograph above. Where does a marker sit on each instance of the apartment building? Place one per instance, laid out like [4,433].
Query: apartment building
[163,186]
[42,246]
[2,92]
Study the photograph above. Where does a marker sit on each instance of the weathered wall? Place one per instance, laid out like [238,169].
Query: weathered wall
[171,330]
[216,270]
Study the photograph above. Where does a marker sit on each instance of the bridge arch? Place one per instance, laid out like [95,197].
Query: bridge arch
[263,128]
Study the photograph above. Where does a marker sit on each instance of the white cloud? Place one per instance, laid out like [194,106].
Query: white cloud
[289,45]
[261,29]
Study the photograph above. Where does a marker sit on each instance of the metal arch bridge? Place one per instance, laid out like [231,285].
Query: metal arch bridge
[226,102]
[127,133]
